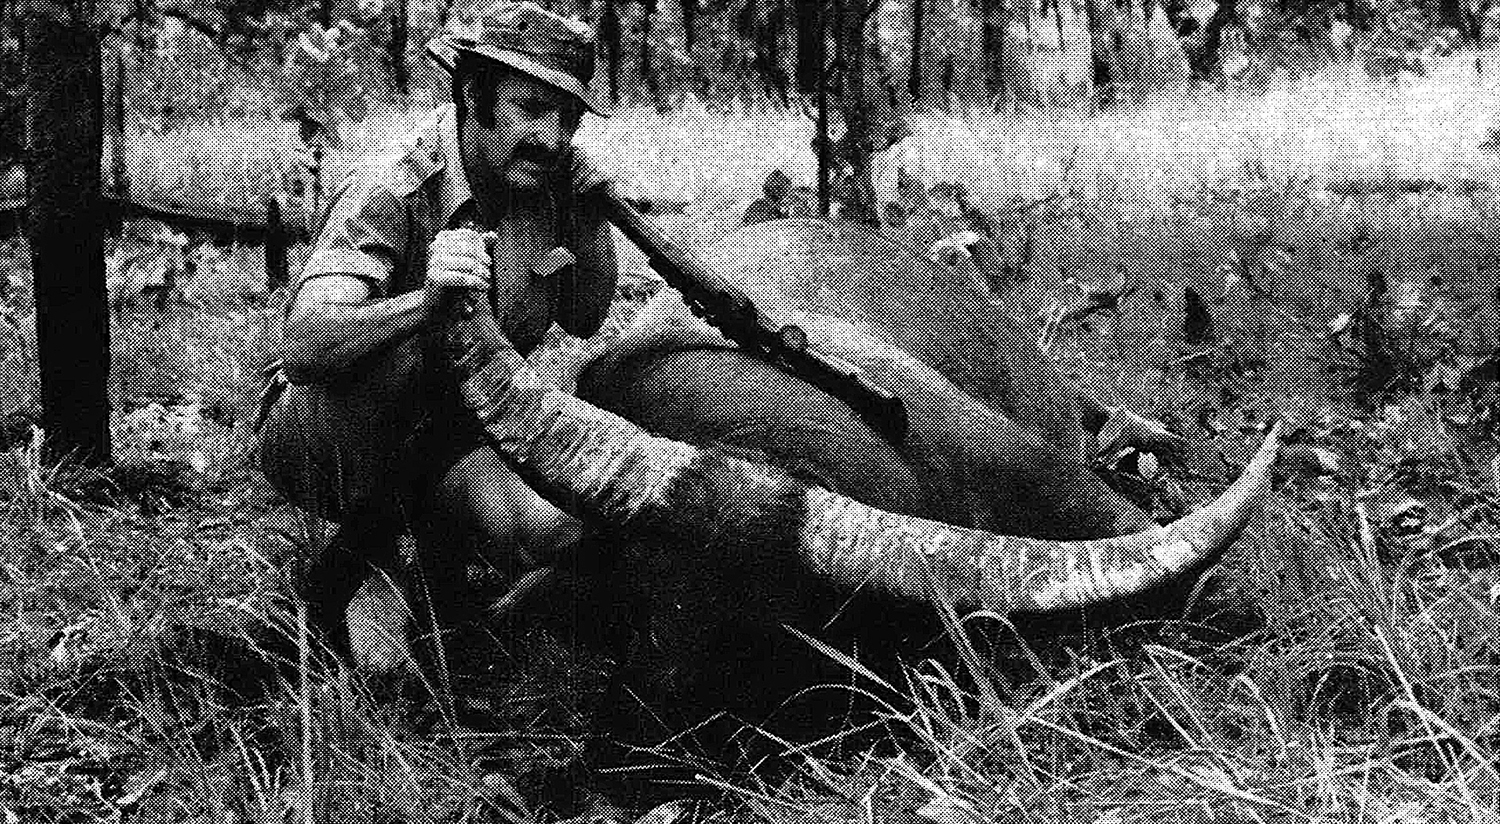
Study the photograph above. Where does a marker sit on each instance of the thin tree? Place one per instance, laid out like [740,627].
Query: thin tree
[990,44]
[748,25]
[914,80]
[1356,15]
[1457,15]
[772,29]
[1102,43]
[867,105]
[1057,21]
[1205,60]
[119,170]
[65,225]
[648,65]
[65,122]
[609,38]
[689,24]
[400,36]
[856,80]
[762,24]
[812,53]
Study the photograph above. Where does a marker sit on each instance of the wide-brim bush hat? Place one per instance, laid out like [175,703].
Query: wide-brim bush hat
[523,36]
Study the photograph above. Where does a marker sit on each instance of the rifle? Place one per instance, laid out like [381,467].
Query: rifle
[727,308]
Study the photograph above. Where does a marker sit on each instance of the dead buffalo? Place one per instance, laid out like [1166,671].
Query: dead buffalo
[736,501]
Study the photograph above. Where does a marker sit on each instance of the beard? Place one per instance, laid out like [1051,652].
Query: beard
[528,170]
[525,177]
[511,187]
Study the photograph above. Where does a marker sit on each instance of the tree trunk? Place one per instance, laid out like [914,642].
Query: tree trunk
[840,57]
[1354,13]
[117,104]
[1474,17]
[947,83]
[119,170]
[824,139]
[278,272]
[990,44]
[1455,13]
[648,66]
[811,46]
[771,31]
[752,32]
[1206,61]
[1101,44]
[609,35]
[914,81]
[825,153]
[747,22]
[855,106]
[400,35]
[689,24]
[65,227]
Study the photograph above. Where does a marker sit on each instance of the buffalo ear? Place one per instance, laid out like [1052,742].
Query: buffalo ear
[1198,323]
[777,185]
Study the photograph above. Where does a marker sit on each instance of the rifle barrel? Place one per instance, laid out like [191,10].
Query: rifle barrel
[686,274]
[726,307]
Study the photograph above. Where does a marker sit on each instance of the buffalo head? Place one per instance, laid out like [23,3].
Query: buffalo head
[749,494]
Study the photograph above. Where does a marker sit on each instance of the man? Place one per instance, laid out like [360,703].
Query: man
[480,197]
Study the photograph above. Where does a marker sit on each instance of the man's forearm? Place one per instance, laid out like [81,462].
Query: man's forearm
[325,339]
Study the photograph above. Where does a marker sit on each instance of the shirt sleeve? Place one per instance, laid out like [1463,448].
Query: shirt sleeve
[364,233]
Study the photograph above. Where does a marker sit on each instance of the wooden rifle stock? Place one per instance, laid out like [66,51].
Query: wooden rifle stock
[727,308]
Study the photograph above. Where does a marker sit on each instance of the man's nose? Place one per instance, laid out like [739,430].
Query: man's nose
[546,131]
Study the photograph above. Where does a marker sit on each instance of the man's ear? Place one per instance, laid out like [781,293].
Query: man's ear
[469,90]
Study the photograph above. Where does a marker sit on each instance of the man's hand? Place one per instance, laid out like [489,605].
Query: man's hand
[458,260]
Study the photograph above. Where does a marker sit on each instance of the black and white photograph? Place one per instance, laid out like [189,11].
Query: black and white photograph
[737,411]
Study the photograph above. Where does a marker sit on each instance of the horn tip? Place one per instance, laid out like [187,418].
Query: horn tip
[1266,456]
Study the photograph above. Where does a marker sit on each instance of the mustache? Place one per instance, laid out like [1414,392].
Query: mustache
[535,154]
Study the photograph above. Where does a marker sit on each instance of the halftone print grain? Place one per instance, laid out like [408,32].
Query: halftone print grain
[1099,250]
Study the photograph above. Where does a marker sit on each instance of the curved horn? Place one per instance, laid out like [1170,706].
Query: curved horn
[598,465]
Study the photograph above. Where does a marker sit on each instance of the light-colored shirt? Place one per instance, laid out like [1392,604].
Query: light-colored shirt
[387,210]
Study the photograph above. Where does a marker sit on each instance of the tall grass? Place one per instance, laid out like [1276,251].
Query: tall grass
[163,677]
[1358,701]
[241,162]
[1334,126]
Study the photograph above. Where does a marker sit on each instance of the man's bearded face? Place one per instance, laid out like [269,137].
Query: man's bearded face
[534,125]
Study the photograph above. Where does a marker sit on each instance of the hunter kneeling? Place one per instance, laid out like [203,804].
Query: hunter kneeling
[369,433]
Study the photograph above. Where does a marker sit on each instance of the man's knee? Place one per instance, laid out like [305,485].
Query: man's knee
[481,492]
[325,455]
